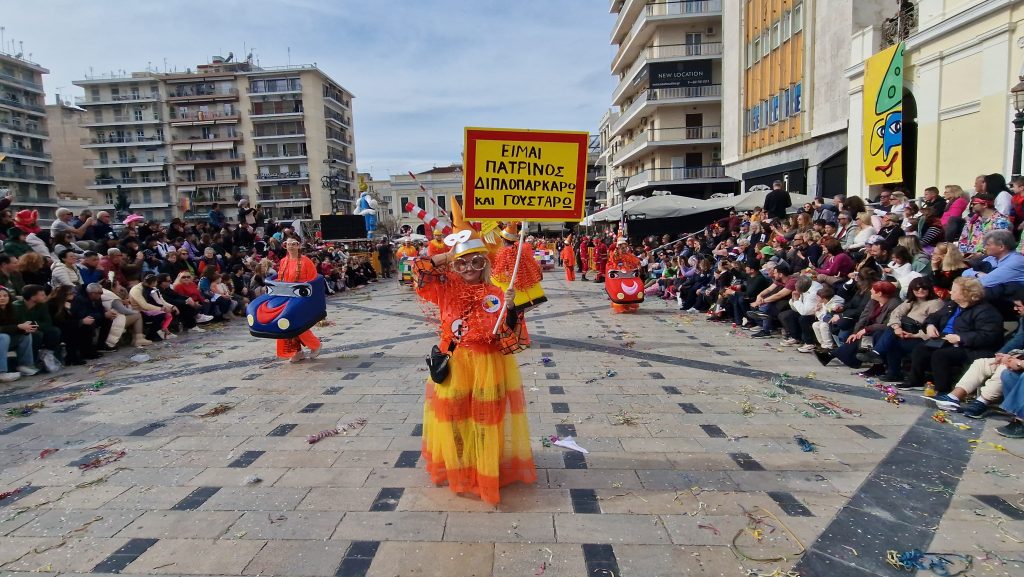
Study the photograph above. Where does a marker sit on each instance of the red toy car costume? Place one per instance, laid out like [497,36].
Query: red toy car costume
[622,280]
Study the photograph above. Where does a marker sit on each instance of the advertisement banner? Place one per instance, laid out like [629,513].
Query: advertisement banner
[883,116]
[532,175]
[678,74]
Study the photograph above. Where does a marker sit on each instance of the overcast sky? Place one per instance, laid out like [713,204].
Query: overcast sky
[420,70]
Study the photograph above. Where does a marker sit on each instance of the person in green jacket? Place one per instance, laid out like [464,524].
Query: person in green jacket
[15,334]
[15,244]
[33,308]
[10,278]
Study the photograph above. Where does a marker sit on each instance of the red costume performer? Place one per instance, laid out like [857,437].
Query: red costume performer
[569,259]
[601,256]
[625,289]
[528,290]
[297,269]
[584,253]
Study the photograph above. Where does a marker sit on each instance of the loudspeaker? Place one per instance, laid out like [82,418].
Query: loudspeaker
[342,227]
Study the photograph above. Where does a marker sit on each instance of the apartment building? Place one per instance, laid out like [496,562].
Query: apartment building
[666,131]
[26,168]
[784,112]
[64,121]
[178,143]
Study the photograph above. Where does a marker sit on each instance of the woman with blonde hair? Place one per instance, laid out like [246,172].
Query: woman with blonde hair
[947,265]
[866,231]
[33,269]
[956,204]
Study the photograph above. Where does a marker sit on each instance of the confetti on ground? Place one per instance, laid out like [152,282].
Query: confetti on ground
[624,418]
[105,458]
[339,430]
[47,452]
[220,409]
[805,445]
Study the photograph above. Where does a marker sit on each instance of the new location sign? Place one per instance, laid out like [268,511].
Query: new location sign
[525,175]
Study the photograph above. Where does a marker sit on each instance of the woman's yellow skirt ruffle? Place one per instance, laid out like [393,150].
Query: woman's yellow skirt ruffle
[475,434]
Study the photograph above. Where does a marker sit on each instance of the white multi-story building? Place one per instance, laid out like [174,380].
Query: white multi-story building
[26,169]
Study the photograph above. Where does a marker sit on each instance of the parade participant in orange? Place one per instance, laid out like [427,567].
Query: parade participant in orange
[436,244]
[407,250]
[529,293]
[296,268]
[601,257]
[622,281]
[584,252]
[475,433]
[569,259]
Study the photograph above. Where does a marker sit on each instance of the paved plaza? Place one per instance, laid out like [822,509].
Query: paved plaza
[196,462]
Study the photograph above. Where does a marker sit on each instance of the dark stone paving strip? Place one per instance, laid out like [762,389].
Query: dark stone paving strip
[142,432]
[387,499]
[565,430]
[574,460]
[584,501]
[124,556]
[70,408]
[14,427]
[365,365]
[25,492]
[349,376]
[600,560]
[222,391]
[189,408]
[407,460]
[1001,505]
[559,408]
[195,499]
[865,432]
[672,390]
[690,408]
[281,430]
[247,458]
[714,431]
[556,390]
[252,376]
[357,559]
[789,504]
[551,376]
[311,408]
[644,364]
[332,390]
[925,467]
[116,391]
[746,462]
[417,431]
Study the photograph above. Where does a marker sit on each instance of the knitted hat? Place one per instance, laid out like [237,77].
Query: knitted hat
[465,239]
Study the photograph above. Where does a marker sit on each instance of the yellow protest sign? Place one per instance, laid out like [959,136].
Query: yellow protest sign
[525,174]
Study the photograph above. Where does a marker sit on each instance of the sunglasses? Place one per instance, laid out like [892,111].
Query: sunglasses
[478,262]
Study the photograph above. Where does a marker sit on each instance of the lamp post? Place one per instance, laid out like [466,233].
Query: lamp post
[1018,123]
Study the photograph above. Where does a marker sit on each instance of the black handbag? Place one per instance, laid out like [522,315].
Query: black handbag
[910,325]
[437,363]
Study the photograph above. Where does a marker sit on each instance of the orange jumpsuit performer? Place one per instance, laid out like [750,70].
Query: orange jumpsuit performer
[569,259]
[475,432]
[436,244]
[528,290]
[622,260]
[296,268]
[584,252]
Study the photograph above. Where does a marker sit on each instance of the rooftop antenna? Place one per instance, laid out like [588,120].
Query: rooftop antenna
[289,56]
[2,29]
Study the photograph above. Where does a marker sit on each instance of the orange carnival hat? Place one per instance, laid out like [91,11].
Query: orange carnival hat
[510,232]
[465,239]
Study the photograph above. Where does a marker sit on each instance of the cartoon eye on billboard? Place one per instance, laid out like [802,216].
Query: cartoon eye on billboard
[883,116]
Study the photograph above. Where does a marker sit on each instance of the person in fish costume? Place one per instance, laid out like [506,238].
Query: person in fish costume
[622,282]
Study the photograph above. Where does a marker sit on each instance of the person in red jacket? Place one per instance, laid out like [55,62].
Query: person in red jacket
[569,259]
[601,256]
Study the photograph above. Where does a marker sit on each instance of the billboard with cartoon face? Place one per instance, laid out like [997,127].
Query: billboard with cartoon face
[883,116]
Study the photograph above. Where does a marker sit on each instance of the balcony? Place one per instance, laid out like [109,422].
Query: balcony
[295,133]
[340,138]
[339,118]
[121,120]
[205,161]
[102,183]
[287,156]
[275,114]
[654,97]
[132,98]
[15,174]
[667,176]
[283,197]
[664,53]
[282,176]
[96,142]
[16,151]
[196,93]
[17,125]
[257,89]
[197,182]
[126,162]
[22,104]
[4,77]
[188,138]
[202,117]
[339,99]
[667,137]
[37,201]
[655,13]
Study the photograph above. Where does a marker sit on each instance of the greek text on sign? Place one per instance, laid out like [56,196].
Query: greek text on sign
[525,174]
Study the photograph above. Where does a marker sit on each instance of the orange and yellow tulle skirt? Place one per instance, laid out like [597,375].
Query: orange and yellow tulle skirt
[475,434]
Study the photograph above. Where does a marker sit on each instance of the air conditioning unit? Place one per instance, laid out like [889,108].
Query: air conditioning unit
[716,156]
[711,30]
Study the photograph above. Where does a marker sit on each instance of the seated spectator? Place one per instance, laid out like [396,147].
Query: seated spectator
[209,259]
[905,331]
[114,263]
[26,220]
[984,218]
[856,294]
[873,321]
[838,265]
[828,304]
[127,319]
[1013,398]
[1005,267]
[965,329]
[33,269]
[900,270]
[773,300]
[189,311]
[157,315]
[10,278]
[46,338]
[798,319]
[89,268]
[65,270]
[865,230]
[62,224]
[58,304]
[15,245]
[101,231]
[222,287]
[15,334]
[892,229]
[92,322]
[61,242]
[216,307]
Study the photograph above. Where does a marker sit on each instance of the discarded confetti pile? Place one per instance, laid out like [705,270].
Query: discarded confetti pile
[937,563]
[624,418]
[220,409]
[339,430]
[24,410]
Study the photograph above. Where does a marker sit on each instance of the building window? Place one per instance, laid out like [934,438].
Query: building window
[775,108]
[97,115]
[211,174]
[757,49]
[404,201]
[797,100]
[236,173]
[798,18]
[140,134]
[147,196]
[138,116]
[787,25]
[442,202]
[421,202]
[786,103]
[775,35]
[765,47]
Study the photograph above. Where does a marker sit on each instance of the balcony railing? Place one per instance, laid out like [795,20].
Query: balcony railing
[200,93]
[338,117]
[669,134]
[133,97]
[24,175]
[252,112]
[237,158]
[118,120]
[220,181]
[20,81]
[22,104]
[282,176]
[213,138]
[110,181]
[96,162]
[283,154]
[671,51]
[200,115]
[656,94]
[121,140]
[339,99]
[675,8]
[651,175]
[29,127]
[270,196]
[270,134]
[24,152]
[262,89]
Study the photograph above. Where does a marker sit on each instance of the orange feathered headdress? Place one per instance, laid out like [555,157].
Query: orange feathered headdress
[465,239]
[510,232]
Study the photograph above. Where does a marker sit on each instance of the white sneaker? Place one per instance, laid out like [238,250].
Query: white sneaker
[791,341]
[27,371]
[297,357]
[314,353]
[196,330]
[9,377]
[692,310]
[167,335]
[201,318]
[141,342]
[806,349]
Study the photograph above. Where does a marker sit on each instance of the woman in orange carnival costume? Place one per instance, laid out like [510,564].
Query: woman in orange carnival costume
[529,292]
[569,259]
[436,244]
[622,260]
[296,268]
[475,432]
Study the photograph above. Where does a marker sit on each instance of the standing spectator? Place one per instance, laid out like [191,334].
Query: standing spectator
[92,322]
[384,255]
[216,217]
[246,214]
[777,201]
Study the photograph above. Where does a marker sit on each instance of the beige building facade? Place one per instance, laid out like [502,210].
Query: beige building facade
[665,129]
[26,171]
[70,174]
[961,59]
[178,143]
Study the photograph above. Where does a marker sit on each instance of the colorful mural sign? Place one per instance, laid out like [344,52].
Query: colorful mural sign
[883,116]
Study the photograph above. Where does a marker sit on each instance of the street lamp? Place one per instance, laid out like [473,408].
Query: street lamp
[1018,123]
